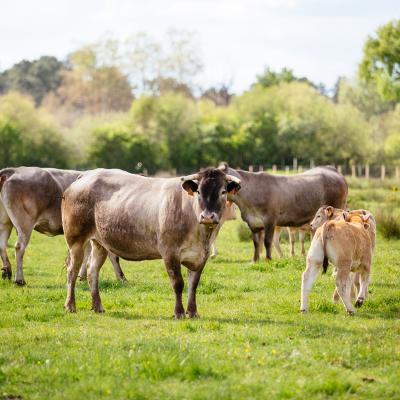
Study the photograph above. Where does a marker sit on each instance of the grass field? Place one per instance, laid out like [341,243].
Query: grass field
[250,342]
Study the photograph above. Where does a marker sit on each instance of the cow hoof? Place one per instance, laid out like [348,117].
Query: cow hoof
[20,282]
[350,312]
[98,309]
[6,273]
[123,279]
[303,311]
[193,314]
[180,316]
[359,302]
[70,308]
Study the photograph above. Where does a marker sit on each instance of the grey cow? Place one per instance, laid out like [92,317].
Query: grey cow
[30,199]
[141,218]
[269,200]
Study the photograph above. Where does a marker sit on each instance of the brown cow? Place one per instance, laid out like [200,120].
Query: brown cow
[30,199]
[140,218]
[268,200]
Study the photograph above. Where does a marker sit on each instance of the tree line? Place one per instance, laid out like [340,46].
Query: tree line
[136,105]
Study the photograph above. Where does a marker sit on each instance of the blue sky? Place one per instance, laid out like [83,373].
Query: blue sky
[317,39]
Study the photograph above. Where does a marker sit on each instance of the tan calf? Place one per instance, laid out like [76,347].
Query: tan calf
[348,244]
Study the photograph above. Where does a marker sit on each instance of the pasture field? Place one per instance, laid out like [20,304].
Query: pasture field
[250,342]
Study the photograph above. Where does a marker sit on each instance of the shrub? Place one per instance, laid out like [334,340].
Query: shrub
[388,223]
[244,233]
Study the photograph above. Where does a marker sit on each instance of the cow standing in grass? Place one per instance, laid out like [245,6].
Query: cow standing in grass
[348,244]
[30,199]
[139,218]
[269,200]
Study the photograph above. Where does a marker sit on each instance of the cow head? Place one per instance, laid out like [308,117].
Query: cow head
[326,213]
[211,188]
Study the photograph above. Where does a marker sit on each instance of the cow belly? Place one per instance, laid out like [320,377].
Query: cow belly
[130,246]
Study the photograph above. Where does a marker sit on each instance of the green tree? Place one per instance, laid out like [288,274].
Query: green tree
[36,78]
[381,61]
[270,78]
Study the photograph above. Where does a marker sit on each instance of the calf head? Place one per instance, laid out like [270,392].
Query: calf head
[211,188]
[326,213]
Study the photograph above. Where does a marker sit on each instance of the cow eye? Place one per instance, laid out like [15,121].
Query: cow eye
[223,192]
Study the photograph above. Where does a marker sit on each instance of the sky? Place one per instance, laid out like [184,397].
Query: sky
[321,40]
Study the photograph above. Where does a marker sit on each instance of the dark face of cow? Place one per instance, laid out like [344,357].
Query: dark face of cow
[212,187]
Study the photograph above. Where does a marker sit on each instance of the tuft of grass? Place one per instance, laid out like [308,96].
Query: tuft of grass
[388,223]
[244,233]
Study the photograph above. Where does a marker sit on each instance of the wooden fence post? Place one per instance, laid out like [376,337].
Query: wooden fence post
[367,171]
[339,168]
[359,169]
[383,171]
[250,168]
[299,169]
[261,168]
[295,164]
[312,165]
[274,168]
[353,171]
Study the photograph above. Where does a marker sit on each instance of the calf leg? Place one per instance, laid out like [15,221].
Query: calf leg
[97,258]
[76,255]
[277,245]
[269,234]
[257,241]
[292,240]
[119,274]
[362,294]
[307,280]
[214,249]
[344,282]
[173,267]
[5,232]
[193,281]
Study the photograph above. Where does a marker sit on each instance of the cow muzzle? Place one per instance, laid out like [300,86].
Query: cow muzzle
[209,218]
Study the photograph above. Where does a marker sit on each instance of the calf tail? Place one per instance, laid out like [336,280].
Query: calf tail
[4,175]
[324,236]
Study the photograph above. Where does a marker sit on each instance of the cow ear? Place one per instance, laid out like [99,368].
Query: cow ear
[232,187]
[190,187]
[329,211]
[366,217]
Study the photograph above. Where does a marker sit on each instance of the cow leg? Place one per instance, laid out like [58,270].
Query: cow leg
[24,234]
[5,232]
[76,255]
[344,282]
[301,238]
[277,245]
[86,259]
[363,283]
[193,281]
[308,279]
[119,274]
[268,238]
[97,258]
[257,241]
[292,240]
[173,266]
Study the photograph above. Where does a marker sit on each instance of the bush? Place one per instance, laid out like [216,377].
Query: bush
[388,223]
[244,233]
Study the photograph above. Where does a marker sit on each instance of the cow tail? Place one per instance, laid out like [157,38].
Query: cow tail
[4,175]
[324,235]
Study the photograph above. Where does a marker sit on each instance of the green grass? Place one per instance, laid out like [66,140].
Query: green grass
[251,342]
